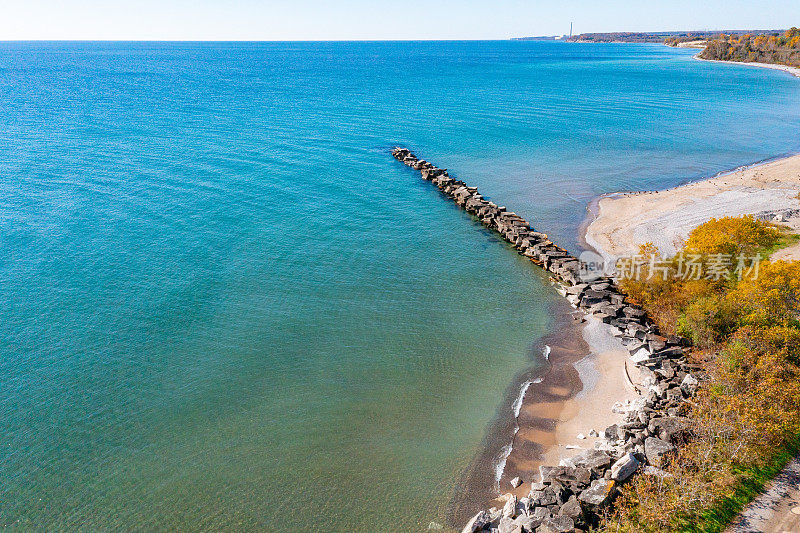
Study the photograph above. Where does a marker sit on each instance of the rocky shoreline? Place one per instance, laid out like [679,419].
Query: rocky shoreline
[574,495]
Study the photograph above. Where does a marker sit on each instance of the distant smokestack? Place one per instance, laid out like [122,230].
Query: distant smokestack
[570,29]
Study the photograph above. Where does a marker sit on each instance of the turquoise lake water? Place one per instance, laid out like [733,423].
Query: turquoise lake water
[223,305]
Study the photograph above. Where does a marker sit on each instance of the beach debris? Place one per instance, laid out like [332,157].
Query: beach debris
[593,433]
[516,482]
[435,526]
[581,436]
[573,447]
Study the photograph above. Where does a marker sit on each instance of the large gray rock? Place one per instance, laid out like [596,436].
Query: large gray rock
[571,508]
[557,524]
[565,474]
[689,385]
[624,467]
[655,449]
[510,508]
[595,460]
[530,523]
[665,428]
[543,498]
[598,494]
[508,525]
[612,432]
[477,522]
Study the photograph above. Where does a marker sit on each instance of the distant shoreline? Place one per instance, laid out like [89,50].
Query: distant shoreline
[794,71]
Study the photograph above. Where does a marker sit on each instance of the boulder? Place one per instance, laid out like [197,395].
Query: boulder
[669,353]
[612,432]
[667,428]
[516,482]
[598,495]
[689,385]
[565,474]
[510,508]
[655,449]
[508,525]
[571,508]
[641,355]
[595,460]
[543,498]
[530,523]
[477,522]
[624,467]
[557,524]
[633,312]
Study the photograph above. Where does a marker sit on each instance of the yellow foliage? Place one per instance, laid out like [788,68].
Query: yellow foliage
[749,404]
[732,235]
[773,297]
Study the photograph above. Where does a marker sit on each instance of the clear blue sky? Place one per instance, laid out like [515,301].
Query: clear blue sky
[375,19]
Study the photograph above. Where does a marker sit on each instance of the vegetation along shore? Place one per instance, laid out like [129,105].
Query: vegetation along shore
[577,492]
[687,402]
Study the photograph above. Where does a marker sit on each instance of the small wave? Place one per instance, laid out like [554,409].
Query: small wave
[500,467]
[517,405]
[505,451]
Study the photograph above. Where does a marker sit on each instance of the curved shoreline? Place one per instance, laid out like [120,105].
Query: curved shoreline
[793,71]
[616,330]
[479,486]
[616,224]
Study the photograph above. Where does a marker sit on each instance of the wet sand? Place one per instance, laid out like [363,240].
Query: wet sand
[559,382]
[572,394]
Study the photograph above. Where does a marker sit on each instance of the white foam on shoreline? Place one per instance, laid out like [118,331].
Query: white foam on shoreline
[500,467]
[505,451]
[517,405]
[546,352]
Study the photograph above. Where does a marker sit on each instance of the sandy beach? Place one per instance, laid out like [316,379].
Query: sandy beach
[624,221]
[576,395]
[590,373]
[794,71]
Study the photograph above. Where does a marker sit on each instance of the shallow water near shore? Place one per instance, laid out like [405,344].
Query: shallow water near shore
[223,305]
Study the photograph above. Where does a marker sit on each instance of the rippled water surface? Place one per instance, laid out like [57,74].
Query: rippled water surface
[223,305]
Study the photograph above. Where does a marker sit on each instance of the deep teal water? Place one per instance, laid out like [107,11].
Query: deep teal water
[223,304]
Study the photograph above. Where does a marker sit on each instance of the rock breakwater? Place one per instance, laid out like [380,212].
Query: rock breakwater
[574,495]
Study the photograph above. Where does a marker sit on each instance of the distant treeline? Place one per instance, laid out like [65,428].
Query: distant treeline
[656,37]
[645,37]
[769,47]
